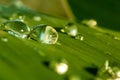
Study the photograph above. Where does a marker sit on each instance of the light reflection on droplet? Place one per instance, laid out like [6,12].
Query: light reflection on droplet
[59,66]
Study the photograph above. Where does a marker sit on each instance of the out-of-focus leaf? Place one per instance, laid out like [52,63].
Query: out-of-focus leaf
[106,12]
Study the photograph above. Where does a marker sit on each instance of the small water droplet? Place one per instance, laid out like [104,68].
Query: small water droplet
[60,66]
[18,17]
[70,29]
[108,68]
[16,28]
[109,72]
[79,37]
[4,39]
[44,34]
[37,18]
[90,22]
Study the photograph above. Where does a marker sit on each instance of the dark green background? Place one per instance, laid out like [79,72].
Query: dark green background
[106,12]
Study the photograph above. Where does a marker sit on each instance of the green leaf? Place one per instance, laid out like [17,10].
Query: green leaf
[24,59]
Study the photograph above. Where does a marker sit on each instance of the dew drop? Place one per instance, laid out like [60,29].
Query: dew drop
[90,22]
[37,18]
[70,29]
[16,28]
[110,72]
[79,37]
[60,66]
[15,16]
[44,34]
[4,39]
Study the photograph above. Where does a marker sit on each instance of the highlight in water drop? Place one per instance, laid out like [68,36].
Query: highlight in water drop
[44,34]
[70,29]
[60,66]
[16,28]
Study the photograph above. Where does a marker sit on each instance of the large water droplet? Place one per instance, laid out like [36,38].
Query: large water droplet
[59,66]
[71,29]
[90,22]
[16,28]
[44,34]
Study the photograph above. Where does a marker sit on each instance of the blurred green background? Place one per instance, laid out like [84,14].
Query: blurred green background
[106,12]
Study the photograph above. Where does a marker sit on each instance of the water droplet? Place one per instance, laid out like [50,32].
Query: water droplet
[79,37]
[71,29]
[108,68]
[4,39]
[17,17]
[44,34]
[16,28]
[37,18]
[60,66]
[74,77]
[90,22]
[110,72]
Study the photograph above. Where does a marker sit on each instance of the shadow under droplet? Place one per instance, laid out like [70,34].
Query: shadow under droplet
[93,70]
